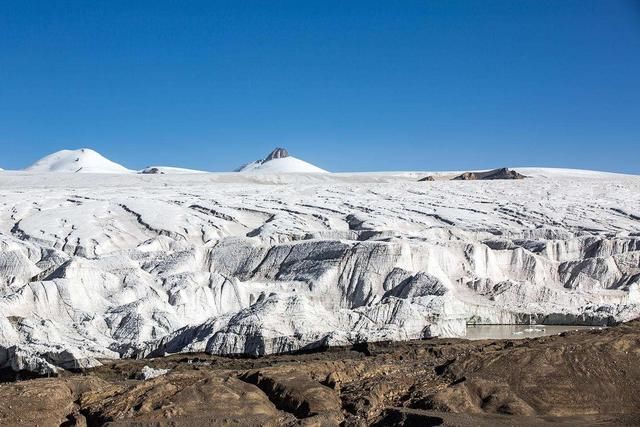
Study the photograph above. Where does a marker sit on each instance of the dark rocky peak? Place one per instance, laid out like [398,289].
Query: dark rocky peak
[278,153]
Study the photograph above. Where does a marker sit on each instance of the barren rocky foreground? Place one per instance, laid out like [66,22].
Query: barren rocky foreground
[576,378]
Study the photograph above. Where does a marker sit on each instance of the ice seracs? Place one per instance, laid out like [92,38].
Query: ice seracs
[83,160]
[279,161]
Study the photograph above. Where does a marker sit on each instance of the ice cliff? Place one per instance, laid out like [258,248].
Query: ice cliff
[98,266]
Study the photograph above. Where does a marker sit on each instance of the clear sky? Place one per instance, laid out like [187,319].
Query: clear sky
[347,85]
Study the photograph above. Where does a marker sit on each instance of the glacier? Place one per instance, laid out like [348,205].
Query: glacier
[103,266]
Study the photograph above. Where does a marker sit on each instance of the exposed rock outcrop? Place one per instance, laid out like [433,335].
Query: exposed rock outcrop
[502,173]
[278,153]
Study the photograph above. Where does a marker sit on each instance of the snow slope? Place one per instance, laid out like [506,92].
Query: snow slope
[131,265]
[83,160]
[285,165]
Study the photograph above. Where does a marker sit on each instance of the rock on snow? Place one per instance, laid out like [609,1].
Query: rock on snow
[130,265]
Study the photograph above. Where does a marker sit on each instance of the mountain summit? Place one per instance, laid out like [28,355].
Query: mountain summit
[83,160]
[278,153]
[279,161]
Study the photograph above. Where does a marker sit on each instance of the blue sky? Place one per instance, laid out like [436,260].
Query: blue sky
[347,85]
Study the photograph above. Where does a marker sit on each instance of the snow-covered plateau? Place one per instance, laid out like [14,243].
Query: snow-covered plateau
[98,266]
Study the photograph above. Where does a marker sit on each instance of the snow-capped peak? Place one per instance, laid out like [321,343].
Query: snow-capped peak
[83,160]
[279,161]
